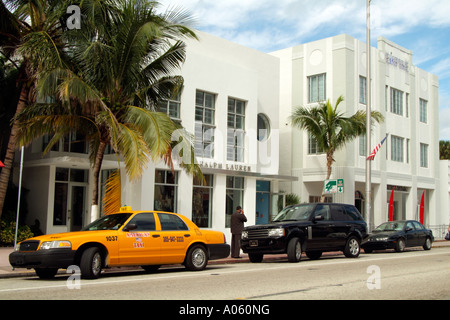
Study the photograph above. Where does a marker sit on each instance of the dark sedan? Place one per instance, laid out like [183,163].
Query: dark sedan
[398,235]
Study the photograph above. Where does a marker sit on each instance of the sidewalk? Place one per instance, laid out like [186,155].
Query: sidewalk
[6,271]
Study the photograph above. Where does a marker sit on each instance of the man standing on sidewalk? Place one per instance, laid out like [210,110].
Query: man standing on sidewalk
[237,224]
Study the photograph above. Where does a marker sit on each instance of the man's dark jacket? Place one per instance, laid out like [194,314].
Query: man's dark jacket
[237,222]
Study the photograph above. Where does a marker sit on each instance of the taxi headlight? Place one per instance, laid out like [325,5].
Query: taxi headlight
[244,235]
[55,245]
[276,233]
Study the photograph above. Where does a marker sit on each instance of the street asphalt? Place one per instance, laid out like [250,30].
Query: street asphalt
[6,271]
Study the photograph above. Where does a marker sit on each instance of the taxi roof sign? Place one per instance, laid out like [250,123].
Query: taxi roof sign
[126,208]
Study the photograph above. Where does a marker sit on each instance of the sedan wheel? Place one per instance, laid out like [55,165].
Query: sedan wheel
[400,245]
[427,245]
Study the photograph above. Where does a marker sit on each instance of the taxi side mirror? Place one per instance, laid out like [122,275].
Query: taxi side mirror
[130,227]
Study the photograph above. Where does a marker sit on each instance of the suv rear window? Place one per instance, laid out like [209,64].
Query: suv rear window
[353,213]
[344,213]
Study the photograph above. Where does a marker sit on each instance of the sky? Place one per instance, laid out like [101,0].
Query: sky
[422,26]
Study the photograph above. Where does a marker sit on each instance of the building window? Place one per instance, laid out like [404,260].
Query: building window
[234,196]
[166,190]
[397,153]
[171,107]
[204,124]
[362,145]
[407,150]
[424,155]
[423,110]
[316,199]
[73,142]
[202,201]
[407,104]
[313,145]
[362,90]
[64,188]
[263,127]
[317,88]
[397,101]
[236,130]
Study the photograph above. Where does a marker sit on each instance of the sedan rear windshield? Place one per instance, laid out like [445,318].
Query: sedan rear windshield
[109,222]
[390,226]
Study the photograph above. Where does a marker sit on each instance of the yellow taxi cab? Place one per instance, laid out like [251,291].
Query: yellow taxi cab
[127,238]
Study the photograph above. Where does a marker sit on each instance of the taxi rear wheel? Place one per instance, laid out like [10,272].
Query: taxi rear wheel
[91,263]
[196,258]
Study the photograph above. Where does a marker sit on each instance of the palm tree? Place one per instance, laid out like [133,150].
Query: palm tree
[31,40]
[121,66]
[330,128]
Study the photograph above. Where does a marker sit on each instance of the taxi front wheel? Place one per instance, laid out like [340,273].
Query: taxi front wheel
[196,258]
[91,263]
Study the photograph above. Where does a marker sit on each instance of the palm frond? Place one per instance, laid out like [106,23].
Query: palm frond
[113,194]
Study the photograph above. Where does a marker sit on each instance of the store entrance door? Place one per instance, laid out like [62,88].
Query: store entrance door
[262,202]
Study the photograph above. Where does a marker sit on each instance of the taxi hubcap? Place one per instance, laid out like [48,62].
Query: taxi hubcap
[96,263]
[198,257]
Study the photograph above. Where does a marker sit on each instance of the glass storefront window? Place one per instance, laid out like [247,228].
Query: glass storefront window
[166,190]
[202,202]
[234,196]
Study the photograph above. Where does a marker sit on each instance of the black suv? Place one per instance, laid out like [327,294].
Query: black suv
[312,228]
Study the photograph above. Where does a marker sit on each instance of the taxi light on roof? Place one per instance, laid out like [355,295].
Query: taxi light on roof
[126,208]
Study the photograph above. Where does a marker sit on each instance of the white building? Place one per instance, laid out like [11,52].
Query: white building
[406,96]
[230,92]
[444,206]
[237,102]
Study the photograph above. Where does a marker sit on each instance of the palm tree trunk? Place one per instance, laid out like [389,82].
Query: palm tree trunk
[329,168]
[96,174]
[12,144]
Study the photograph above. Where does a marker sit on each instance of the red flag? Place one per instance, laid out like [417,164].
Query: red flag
[374,152]
[422,207]
[391,206]
[1,164]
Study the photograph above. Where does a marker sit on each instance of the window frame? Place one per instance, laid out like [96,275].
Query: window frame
[316,92]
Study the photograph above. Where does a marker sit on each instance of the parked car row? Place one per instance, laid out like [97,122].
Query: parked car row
[151,239]
[319,227]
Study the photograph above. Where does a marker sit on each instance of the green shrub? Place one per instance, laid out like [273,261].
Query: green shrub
[8,230]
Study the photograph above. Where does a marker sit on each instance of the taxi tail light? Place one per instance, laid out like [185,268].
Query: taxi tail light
[224,238]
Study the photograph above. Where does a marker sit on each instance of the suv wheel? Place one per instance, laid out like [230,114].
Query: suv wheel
[256,257]
[314,255]
[294,250]
[352,248]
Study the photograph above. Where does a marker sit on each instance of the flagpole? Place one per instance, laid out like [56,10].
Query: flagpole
[368,124]
[18,196]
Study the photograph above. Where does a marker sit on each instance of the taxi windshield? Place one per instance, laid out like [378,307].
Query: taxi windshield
[109,222]
[295,213]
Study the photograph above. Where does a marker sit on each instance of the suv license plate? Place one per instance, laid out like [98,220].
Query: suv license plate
[253,243]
